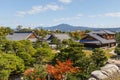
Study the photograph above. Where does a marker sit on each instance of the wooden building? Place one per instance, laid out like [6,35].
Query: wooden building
[97,39]
[17,36]
[59,36]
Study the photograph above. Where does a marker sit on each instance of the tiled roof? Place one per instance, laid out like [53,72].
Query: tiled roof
[102,32]
[102,40]
[62,36]
[99,40]
[47,37]
[19,36]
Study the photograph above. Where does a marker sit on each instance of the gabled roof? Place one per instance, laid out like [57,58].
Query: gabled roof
[47,37]
[102,40]
[102,32]
[19,36]
[98,39]
[60,36]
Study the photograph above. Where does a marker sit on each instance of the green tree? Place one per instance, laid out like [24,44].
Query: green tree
[36,73]
[4,31]
[41,32]
[22,49]
[27,47]
[18,46]
[10,64]
[19,27]
[117,36]
[117,49]
[41,43]
[99,57]
[8,47]
[87,31]
[43,55]
[27,58]
[87,64]
[57,42]
[73,52]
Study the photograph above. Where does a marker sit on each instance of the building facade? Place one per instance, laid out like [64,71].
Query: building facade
[97,39]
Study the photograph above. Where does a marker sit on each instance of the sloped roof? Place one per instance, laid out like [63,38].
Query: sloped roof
[18,36]
[62,36]
[99,40]
[102,40]
[47,36]
[102,32]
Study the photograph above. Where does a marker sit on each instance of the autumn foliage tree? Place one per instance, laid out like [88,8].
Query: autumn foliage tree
[61,70]
[77,34]
[36,73]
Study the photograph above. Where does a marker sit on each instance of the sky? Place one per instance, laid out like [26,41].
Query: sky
[33,13]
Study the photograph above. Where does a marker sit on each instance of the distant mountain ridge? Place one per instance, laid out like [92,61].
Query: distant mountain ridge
[67,28]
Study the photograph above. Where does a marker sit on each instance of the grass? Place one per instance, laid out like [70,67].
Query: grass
[87,52]
[55,51]
[107,52]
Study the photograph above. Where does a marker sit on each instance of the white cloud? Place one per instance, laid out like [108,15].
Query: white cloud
[92,16]
[34,10]
[52,7]
[32,25]
[38,9]
[69,18]
[21,13]
[65,1]
[104,25]
[98,25]
[115,14]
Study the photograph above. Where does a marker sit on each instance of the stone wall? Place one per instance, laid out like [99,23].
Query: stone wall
[111,71]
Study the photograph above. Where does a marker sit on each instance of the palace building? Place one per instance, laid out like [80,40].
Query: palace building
[97,39]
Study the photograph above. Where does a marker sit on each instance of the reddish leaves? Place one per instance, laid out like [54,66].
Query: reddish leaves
[61,69]
[58,72]
[30,74]
[29,71]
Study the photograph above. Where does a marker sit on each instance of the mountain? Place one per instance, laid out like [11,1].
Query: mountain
[67,28]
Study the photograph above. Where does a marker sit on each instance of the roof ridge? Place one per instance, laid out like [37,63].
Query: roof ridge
[105,31]
[102,40]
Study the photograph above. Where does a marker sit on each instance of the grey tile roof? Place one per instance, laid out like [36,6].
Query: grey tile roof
[102,32]
[62,36]
[18,36]
[47,36]
[99,40]
[102,40]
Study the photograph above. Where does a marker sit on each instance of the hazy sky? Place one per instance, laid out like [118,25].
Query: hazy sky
[31,13]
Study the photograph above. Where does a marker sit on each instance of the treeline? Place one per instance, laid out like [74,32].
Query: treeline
[76,35]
